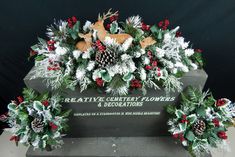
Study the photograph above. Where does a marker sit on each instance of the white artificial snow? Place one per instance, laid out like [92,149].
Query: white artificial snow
[87,26]
[80,73]
[91,65]
[189,52]
[61,50]
[76,54]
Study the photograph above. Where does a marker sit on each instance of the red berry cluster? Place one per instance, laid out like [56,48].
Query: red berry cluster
[53,126]
[14,138]
[45,103]
[145,27]
[198,50]
[180,136]
[100,46]
[184,119]
[53,66]
[20,99]
[99,82]
[178,34]
[32,53]
[50,45]
[136,83]
[222,135]
[114,17]
[108,26]
[154,64]
[220,102]
[164,24]
[72,21]
[215,121]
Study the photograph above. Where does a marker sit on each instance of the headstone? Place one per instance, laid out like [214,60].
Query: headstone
[116,147]
[97,114]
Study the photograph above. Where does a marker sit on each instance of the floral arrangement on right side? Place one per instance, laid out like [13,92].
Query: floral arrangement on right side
[200,122]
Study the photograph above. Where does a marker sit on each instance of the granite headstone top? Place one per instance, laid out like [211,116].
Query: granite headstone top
[97,114]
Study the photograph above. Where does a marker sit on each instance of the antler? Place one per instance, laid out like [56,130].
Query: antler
[107,15]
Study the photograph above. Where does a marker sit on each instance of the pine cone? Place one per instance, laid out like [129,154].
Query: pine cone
[105,58]
[199,127]
[37,125]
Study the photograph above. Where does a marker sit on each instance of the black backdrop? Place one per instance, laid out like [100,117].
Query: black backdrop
[209,25]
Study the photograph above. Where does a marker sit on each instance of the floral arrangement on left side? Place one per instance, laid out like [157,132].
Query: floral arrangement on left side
[200,122]
[114,57]
[37,120]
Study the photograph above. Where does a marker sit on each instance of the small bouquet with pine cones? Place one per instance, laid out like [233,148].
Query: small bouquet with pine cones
[200,122]
[112,56]
[37,120]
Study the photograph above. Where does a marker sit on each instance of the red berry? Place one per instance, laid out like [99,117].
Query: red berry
[160,24]
[154,63]
[220,102]
[20,99]
[99,82]
[45,103]
[148,67]
[167,22]
[108,26]
[198,50]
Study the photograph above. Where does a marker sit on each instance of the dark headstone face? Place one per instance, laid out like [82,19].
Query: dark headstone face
[101,115]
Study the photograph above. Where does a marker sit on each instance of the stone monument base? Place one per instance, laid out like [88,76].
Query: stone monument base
[116,147]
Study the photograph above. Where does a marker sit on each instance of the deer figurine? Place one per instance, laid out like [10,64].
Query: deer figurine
[102,33]
[86,44]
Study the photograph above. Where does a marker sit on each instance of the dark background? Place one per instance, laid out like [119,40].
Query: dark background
[209,25]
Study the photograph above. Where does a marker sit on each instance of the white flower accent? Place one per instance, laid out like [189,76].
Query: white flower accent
[125,57]
[61,51]
[137,54]
[86,54]
[126,44]
[132,66]
[189,52]
[111,42]
[76,54]
[194,66]
[185,68]
[91,65]
[142,51]
[160,52]
[179,64]
[146,60]
[143,74]
[96,74]
[80,73]
[167,37]
[180,41]
[87,26]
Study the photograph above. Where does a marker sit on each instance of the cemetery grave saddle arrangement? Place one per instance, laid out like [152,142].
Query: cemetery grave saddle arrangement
[114,57]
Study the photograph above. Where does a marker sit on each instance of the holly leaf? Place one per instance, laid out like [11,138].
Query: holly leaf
[23,116]
[190,136]
[182,126]
[127,77]
[105,76]
[38,106]
[179,113]
[76,27]
[201,111]
[192,118]
[12,107]
[114,27]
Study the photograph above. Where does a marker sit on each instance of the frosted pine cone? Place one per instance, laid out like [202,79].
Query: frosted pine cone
[37,125]
[199,127]
[105,58]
